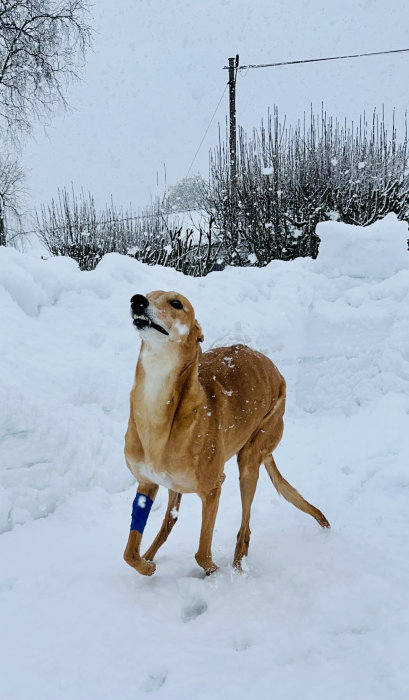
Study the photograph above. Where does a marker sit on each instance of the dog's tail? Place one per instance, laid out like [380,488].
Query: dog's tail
[290,494]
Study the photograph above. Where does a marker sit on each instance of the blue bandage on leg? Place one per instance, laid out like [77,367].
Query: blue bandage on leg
[140,511]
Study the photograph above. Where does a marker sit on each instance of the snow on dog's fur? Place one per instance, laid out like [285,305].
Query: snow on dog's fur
[189,413]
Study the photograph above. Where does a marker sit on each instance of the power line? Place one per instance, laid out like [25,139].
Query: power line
[207,129]
[315,60]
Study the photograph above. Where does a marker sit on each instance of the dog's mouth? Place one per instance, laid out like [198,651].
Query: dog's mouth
[142,321]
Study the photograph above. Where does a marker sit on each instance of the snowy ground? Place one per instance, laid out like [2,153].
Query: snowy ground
[317,614]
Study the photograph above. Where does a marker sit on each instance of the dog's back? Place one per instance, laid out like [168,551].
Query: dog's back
[242,387]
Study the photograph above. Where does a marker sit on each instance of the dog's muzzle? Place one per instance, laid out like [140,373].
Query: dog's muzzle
[140,316]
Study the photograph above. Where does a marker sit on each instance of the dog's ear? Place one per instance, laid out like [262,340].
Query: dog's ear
[199,332]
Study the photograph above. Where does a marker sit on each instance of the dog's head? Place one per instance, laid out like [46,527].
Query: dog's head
[162,317]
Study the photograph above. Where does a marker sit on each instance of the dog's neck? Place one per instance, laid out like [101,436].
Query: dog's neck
[166,384]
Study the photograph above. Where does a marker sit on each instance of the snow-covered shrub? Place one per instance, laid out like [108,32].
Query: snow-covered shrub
[291,178]
[192,252]
[71,226]
[288,180]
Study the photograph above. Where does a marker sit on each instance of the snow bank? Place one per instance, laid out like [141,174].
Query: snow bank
[337,327]
[374,252]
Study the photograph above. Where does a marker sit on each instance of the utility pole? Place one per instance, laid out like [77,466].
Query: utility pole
[233,65]
[3,239]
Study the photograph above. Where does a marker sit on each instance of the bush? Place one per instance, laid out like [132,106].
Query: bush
[71,226]
[290,179]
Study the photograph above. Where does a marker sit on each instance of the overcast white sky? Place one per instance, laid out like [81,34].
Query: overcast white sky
[155,76]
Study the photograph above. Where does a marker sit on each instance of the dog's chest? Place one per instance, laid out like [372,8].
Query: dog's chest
[169,479]
[157,372]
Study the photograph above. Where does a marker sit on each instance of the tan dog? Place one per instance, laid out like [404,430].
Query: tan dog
[190,412]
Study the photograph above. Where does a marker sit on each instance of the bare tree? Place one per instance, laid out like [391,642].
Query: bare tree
[42,48]
[187,194]
[12,191]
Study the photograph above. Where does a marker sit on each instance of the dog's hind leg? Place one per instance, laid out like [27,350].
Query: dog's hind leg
[290,494]
[143,501]
[249,467]
[169,520]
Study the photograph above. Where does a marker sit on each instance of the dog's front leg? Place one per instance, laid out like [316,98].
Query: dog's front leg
[210,504]
[141,508]
[169,520]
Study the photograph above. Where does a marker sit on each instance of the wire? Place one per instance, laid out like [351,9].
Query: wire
[205,133]
[315,60]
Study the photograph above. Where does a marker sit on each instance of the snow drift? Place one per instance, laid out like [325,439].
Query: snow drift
[318,615]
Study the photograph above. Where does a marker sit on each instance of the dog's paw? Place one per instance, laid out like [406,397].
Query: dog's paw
[211,569]
[146,568]
[206,563]
[149,554]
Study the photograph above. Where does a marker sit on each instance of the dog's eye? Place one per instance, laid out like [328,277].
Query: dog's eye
[176,304]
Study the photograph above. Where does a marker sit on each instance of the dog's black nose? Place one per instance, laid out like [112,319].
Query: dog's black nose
[139,302]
